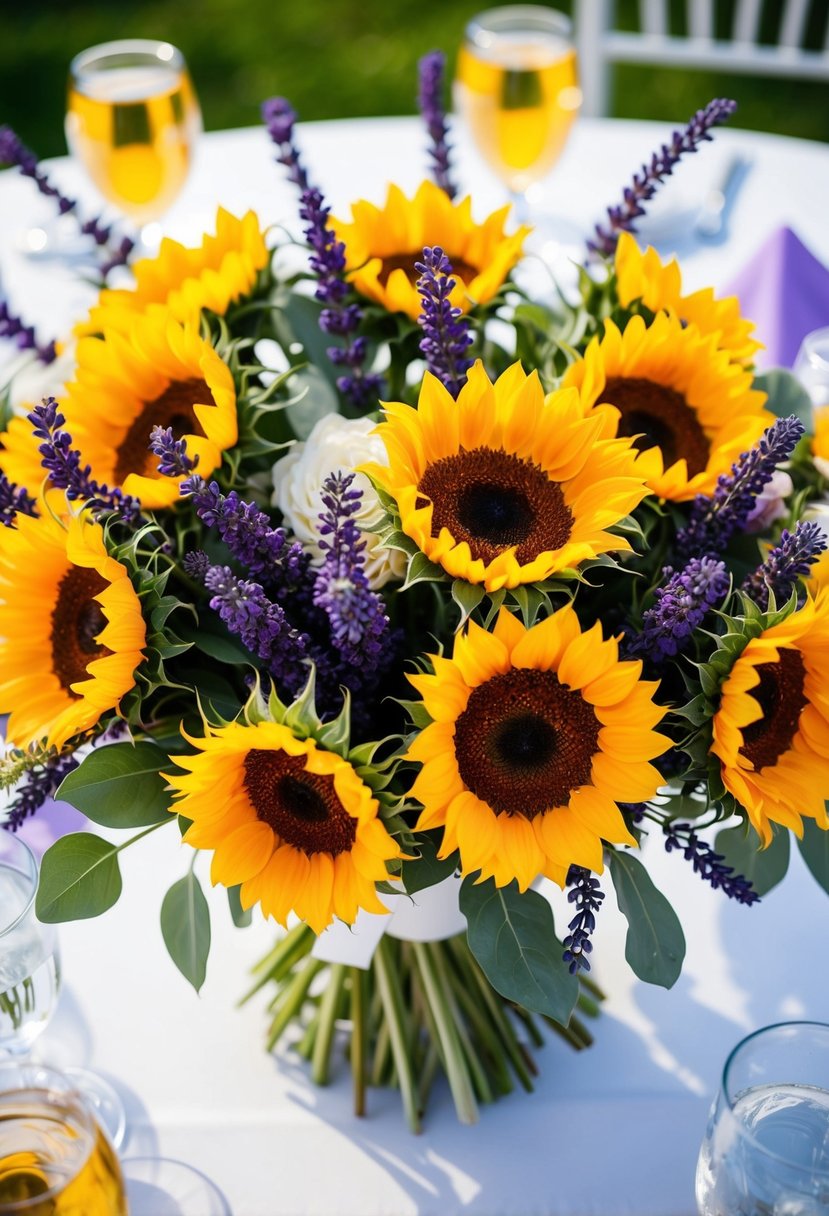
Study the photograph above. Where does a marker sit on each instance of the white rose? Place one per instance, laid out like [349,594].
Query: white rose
[819,513]
[771,504]
[335,444]
[32,380]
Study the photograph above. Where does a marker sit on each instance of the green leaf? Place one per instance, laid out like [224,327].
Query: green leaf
[786,395]
[313,398]
[120,785]
[764,868]
[815,849]
[241,917]
[79,878]
[185,926]
[426,870]
[512,935]
[655,943]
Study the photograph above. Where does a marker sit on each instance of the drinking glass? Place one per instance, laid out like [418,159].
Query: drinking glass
[516,88]
[29,960]
[766,1147]
[54,1158]
[132,121]
[811,366]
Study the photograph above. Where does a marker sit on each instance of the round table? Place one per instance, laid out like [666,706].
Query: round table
[614,1130]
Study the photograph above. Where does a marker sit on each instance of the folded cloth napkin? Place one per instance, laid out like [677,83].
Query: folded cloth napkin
[784,289]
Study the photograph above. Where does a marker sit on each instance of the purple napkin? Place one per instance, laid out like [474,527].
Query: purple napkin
[784,289]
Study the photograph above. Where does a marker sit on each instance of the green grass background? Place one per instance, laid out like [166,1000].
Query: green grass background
[337,58]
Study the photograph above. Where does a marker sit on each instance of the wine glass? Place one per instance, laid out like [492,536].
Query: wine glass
[54,1158]
[766,1147]
[811,366]
[516,88]
[132,120]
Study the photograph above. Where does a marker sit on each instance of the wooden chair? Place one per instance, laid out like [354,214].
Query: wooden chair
[600,45]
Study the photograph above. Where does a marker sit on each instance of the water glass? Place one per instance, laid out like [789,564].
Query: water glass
[812,366]
[29,960]
[766,1147]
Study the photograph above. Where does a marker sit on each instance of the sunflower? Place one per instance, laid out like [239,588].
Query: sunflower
[71,629]
[382,245]
[161,374]
[771,730]
[643,276]
[820,440]
[214,275]
[20,456]
[692,411]
[537,734]
[503,487]
[290,822]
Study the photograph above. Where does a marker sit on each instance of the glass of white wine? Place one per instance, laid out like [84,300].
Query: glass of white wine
[517,91]
[54,1158]
[132,120]
[766,1147]
[29,959]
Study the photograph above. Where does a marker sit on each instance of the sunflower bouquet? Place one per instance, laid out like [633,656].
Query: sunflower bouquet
[405,622]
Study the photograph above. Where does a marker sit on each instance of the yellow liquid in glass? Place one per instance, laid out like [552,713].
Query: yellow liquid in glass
[134,128]
[50,1165]
[519,107]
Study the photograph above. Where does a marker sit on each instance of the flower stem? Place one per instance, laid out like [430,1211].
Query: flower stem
[321,1058]
[451,1048]
[293,998]
[359,986]
[399,1032]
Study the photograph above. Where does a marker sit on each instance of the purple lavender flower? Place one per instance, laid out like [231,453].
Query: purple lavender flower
[39,784]
[357,617]
[788,561]
[279,117]
[246,530]
[588,897]
[14,152]
[446,335]
[14,500]
[13,327]
[173,460]
[646,183]
[681,605]
[63,464]
[430,102]
[708,864]
[714,520]
[261,626]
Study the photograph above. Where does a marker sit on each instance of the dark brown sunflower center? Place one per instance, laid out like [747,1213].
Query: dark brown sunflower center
[406,262]
[302,808]
[781,698]
[174,408]
[525,742]
[659,417]
[494,501]
[76,621]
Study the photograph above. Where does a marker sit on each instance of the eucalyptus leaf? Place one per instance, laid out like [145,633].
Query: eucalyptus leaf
[120,785]
[79,878]
[242,917]
[786,395]
[317,401]
[744,852]
[185,926]
[815,850]
[512,935]
[655,943]
[426,870]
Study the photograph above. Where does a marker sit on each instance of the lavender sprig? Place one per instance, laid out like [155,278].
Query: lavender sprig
[430,102]
[359,625]
[337,318]
[63,464]
[14,501]
[38,785]
[714,520]
[681,605]
[14,327]
[787,562]
[14,152]
[173,460]
[446,335]
[645,183]
[588,898]
[708,864]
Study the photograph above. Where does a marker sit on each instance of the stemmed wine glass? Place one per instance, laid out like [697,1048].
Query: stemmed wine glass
[766,1147]
[516,88]
[132,120]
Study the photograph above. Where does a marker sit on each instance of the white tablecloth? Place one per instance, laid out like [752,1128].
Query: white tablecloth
[611,1131]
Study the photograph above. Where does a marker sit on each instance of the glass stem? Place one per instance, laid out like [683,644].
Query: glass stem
[520,206]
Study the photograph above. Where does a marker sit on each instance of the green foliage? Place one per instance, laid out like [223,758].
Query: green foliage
[743,851]
[79,878]
[512,935]
[120,785]
[786,395]
[655,943]
[426,870]
[185,926]
[814,848]
[241,917]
